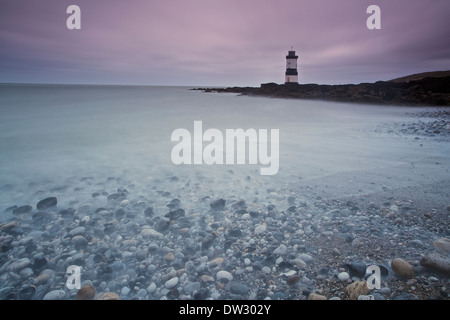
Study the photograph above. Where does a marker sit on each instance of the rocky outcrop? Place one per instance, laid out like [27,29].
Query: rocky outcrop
[427,91]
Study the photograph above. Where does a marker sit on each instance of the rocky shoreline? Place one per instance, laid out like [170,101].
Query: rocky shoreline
[431,91]
[175,238]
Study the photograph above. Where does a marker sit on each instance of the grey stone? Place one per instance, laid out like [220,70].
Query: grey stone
[47,203]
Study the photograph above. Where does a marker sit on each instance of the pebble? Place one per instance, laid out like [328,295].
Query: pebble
[357,269]
[125,291]
[79,242]
[22,209]
[255,249]
[293,280]
[315,296]
[238,288]
[107,296]
[148,233]
[18,265]
[86,292]
[366,297]
[402,268]
[151,288]
[442,245]
[260,229]
[218,204]
[224,275]
[55,295]
[26,292]
[77,231]
[191,287]
[343,276]
[305,257]
[281,250]
[47,203]
[171,283]
[355,289]
[436,263]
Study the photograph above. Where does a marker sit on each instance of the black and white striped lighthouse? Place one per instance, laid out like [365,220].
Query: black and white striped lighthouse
[291,68]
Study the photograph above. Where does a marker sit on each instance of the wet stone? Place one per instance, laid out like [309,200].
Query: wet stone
[149,212]
[239,289]
[22,209]
[47,203]
[218,204]
[357,269]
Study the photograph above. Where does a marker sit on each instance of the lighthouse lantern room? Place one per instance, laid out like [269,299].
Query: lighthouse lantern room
[291,68]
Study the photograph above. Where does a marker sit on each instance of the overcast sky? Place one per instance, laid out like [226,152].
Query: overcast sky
[220,43]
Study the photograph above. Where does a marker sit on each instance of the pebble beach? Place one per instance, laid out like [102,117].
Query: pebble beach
[174,238]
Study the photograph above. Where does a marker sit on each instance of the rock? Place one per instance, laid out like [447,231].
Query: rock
[47,203]
[281,250]
[55,295]
[172,215]
[201,294]
[357,269]
[169,257]
[442,245]
[114,196]
[18,265]
[260,229]
[42,217]
[67,212]
[107,296]
[293,280]
[125,291]
[86,292]
[22,209]
[27,292]
[149,212]
[39,263]
[402,268]
[208,240]
[162,224]
[305,257]
[191,287]
[151,288]
[148,233]
[343,276]
[79,242]
[171,283]
[240,289]
[174,204]
[235,232]
[224,275]
[26,273]
[77,231]
[355,289]
[8,226]
[315,296]
[218,204]
[364,297]
[436,263]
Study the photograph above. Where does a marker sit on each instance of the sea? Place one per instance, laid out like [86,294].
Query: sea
[55,132]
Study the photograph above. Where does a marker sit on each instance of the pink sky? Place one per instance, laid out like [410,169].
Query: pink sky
[212,43]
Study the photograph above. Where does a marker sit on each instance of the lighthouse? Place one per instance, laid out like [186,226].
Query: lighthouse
[291,68]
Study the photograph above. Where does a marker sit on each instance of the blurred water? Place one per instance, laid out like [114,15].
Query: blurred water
[55,132]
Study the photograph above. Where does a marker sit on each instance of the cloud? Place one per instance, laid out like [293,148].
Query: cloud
[237,42]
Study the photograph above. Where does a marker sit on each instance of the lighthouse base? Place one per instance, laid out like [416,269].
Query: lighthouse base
[291,79]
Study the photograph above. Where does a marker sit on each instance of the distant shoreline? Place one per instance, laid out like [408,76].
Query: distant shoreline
[428,91]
